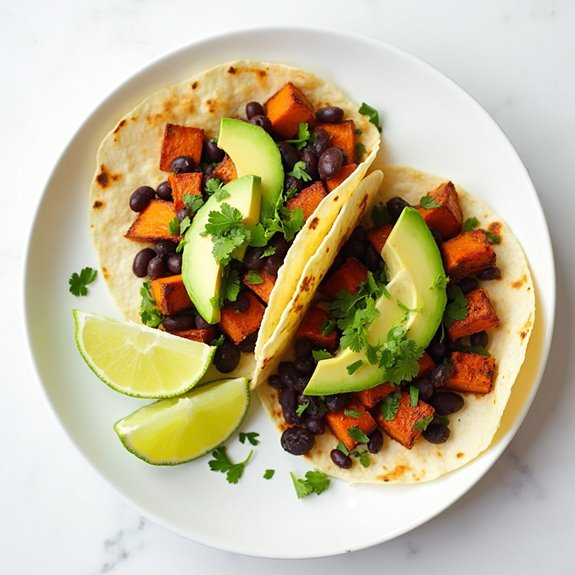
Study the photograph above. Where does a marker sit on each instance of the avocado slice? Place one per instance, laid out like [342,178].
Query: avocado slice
[201,273]
[253,151]
[415,272]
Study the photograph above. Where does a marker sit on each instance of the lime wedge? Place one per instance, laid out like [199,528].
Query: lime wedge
[179,429]
[138,360]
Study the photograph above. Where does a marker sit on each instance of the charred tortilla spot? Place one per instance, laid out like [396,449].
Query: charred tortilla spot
[211,105]
[97,204]
[397,472]
[336,198]
[231,70]
[262,73]
[314,223]
[459,454]
[495,229]
[307,283]
[120,126]
[104,177]
[520,282]
[106,273]
[195,85]
[298,308]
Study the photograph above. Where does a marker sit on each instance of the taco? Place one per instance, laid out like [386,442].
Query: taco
[404,361]
[212,194]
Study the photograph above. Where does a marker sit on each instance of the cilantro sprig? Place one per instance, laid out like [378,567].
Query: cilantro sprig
[371,113]
[149,313]
[299,173]
[304,136]
[428,203]
[78,282]
[228,232]
[222,463]
[315,482]
[457,305]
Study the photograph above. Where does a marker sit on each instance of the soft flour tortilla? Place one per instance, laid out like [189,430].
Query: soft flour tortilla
[129,157]
[472,428]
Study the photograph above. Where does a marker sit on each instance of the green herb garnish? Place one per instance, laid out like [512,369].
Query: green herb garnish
[456,308]
[314,482]
[357,434]
[413,396]
[213,185]
[251,436]
[428,203]
[254,278]
[353,367]
[222,463]
[193,202]
[390,406]
[303,136]
[78,282]
[493,238]
[319,354]
[301,408]
[371,113]
[470,224]
[341,447]
[149,313]
[359,150]
[422,424]
[352,413]
[228,232]
[380,216]
[269,473]
[174,226]
[299,172]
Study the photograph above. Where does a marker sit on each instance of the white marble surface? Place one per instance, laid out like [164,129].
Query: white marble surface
[59,59]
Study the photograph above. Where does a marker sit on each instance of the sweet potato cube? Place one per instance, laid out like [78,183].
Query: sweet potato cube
[342,423]
[426,365]
[170,294]
[342,175]
[467,254]
[263,289]
[342,136]
[447,218]
[238,325]
[226,170]
[287,109]
[308,199]
[180,141]
[312,327]
[473,372]
[183,185]
[372,396]
[480,316]
[153,224]
[404,427]
[347,277]
[204,335]
[378,236]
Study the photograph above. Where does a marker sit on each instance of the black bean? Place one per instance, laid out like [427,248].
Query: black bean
[212,153]
[273,264]
[372,260]
[468,284]
[321,142]
[301,381]
[337,402]
[242,303]
[183,164]
[165,247]
[164,191]
[315,406]
[293,186]
[275,381]
[330,163]
[395,206]
[288,403]
[492,273]
[178,322]
[354,249]
[253,258]
[227,357]
[311,162]
[333,114]
[446,402]
[289,155]
[360,234]
[201,323]
[254,109]
[249,344]
[425,388]
[340,459]
[288,373]
[141,261]
[262,121]
[305,365]
[436,235]
[436,433]
[141,197]
[182,214]
[441,373]
[297,440]
[437,348]
[315,425]
[174,263]
[280,244]
[156,268]
[303,348]
[375,442]
[479,339]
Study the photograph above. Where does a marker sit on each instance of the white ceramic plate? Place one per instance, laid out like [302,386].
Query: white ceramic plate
[429,123]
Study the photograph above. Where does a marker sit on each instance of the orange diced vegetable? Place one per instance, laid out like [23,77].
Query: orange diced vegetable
[342,136]
[426,365]
[287,109]
[184,184]
[180,141]
[404,428]
[263,289]
[467,254]
[473,372]
[312,326]
[170,294]
[378,236]
[342,175]
[153,224]
[308,199]
[238,325]
[226,170]
[446,218]
[348,277]
[372,396]
[480,316]
[355,415]
[204,335]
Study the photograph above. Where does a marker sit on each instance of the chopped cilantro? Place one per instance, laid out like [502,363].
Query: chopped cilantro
[390,406]
[358,132]
[371,113]
[413,396]
[319,354]
[470,224]
[269,473]
[299,173]
[456,308]
[269,251]
[303,136]
[353,367]
[440,419]
[423,423]
[341,447]
[149,313]
[230,286]
[352,413]
[328,326]
[399,356]
[185,224]
[357,434]
[363,457]
[78,282]
[218,341]
[174,226]
[228,232]
[221,194]
[254,278]
[291,192]
[493,238]
[222,463]
[251,436]
[380,216]
[314,482]
[359,150]
[301,408]
[193,202]
[440,282]
[213,185]
[428,203]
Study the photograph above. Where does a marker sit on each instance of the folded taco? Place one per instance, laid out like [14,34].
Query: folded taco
[212,194]
[403,363]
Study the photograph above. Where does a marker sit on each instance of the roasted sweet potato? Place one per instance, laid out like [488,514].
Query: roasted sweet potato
[153,224]
[184,184]
[287,109]
[473,372]
[348,277]
[263,289]
[378,236]
[342,136]
[426,364]
[466,254]
[404,427]
[308,199]
[312,327]
[238,325]
[480,316]
[355,415]
[447,217]
[226,170]
[372,396]
[344,172]
[206,335]
[180,141]
[170,294]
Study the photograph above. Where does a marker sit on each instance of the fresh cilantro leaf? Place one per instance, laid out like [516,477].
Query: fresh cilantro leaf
[259,236]
[457,305]
[228,232]
[174,226]
[78,282]
[230,287]
[302,488]
[357,434]
[470,224]
[358,132]
[269,251]
[440,282]
[213,185]
[269,473]
[385,292]
[149,313]
[428,203]
[352,413]
[440,419]
[254,278]
[359,150]
[493,238]
[371,113]
[303,136]
[353,367]
[390,406]
[221,194]
[227,219]
[328,326]
[319,354]
[299,172]
[341,447]
[380,216]
[193,202]
[251,436]
[292,222]
[402,358]
[218,341]
[185,224]
[364,458]
[423,423]
[222,463]
[291,192]
[314,482]
[301,408]
[413,396]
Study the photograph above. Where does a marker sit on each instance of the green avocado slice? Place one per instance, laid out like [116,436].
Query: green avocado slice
[417,282]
